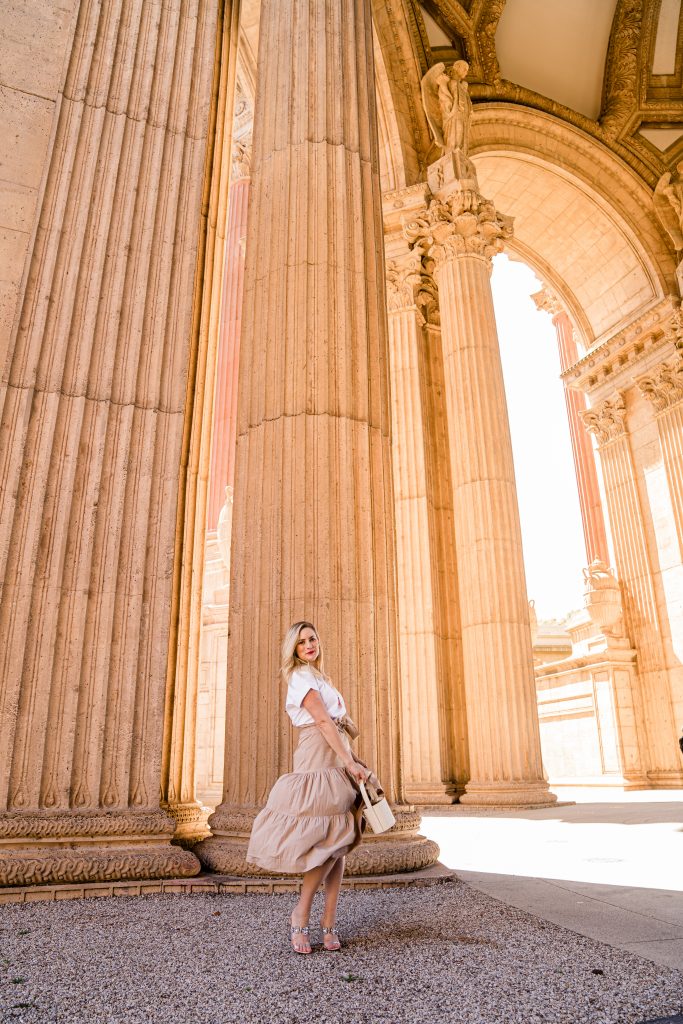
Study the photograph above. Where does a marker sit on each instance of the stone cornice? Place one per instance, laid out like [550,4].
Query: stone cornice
[607,420]
[612,360]
[404,203]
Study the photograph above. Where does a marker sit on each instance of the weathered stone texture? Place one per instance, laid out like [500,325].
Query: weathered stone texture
[92,406]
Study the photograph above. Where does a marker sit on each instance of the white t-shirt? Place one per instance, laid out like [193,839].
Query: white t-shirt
[300,682]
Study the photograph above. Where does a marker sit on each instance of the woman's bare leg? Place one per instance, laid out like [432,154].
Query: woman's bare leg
[312,880]
[333,883]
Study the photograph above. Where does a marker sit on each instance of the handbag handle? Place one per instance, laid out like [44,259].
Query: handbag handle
[366,798]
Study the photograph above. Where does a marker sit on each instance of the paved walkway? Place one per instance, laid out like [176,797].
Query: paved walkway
[609,867]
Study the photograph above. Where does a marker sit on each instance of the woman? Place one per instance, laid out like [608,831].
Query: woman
[313,815]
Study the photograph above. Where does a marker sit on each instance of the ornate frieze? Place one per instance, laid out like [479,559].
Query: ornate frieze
[59,826]
[606,420]
[98,865]
[664,386]
[674,333]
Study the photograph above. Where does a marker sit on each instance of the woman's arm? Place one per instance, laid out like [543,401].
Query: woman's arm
[313,703]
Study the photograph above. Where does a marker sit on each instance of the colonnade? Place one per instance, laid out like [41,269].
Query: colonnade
[109,417]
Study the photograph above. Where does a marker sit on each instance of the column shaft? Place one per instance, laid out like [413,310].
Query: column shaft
[608,422]
[504,740]
[222,470]
[590,502]
[426,754]
[92,412]
[454,742]
[313,522]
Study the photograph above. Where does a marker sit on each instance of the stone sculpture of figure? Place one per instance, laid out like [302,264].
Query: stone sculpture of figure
[448,106]
[668,204]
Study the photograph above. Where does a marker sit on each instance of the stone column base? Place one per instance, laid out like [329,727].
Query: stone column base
[90,847]
[508,794]
[665,779]
[402,849]
[432,793]
[191,822]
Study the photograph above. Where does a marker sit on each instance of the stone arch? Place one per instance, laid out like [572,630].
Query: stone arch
[536,168]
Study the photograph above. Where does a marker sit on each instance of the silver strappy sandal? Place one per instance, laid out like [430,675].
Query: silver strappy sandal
[299,930]
[331,931]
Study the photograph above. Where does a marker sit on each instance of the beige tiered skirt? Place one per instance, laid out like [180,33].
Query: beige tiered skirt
[313,813]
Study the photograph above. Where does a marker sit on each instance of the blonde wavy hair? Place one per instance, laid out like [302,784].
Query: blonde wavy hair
[290,660]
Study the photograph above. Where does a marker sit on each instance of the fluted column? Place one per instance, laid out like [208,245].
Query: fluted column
[427,681]
[179,746]
[664,390]
[460,233]
[93,409]
[592,519]
[313,522]
[222,469]
[608,422]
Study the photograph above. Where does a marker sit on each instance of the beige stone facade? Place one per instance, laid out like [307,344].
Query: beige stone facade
[374,490]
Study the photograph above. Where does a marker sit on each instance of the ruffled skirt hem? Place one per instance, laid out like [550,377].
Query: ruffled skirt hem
[313,813]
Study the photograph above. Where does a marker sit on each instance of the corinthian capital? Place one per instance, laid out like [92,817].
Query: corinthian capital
[409,285]
[464,224]
[547,302]
[403,280]
[606,420]
[664,386]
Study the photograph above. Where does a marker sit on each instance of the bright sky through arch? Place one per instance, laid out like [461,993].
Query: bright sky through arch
[554,552]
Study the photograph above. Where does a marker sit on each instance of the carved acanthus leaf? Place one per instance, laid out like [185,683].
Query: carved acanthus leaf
[620,94]
[606,420]
[463,224]
[547,302]
[404,276]
[663,386]
[675,329]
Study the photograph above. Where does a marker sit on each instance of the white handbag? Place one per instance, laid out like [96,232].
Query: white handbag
[377,812]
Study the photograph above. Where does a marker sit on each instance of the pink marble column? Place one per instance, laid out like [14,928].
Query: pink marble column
[222,471]
[592,516]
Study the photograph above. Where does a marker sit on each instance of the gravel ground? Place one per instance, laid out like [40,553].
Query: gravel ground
[441,954]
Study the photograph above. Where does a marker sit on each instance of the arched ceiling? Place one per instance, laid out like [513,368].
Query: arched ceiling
[577,242]
[578,111]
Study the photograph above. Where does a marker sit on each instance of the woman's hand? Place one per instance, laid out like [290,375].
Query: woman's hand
[357,771]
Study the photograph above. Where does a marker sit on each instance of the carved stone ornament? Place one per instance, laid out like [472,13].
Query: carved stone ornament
[428,300]
[409,285]
[59,826]
[447,104]
[404,276]
[668,203]
[241,158]
[606,420]
[547,302]
[602,595]
[664,386]
[465,224]
[675,330]
[44,865]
